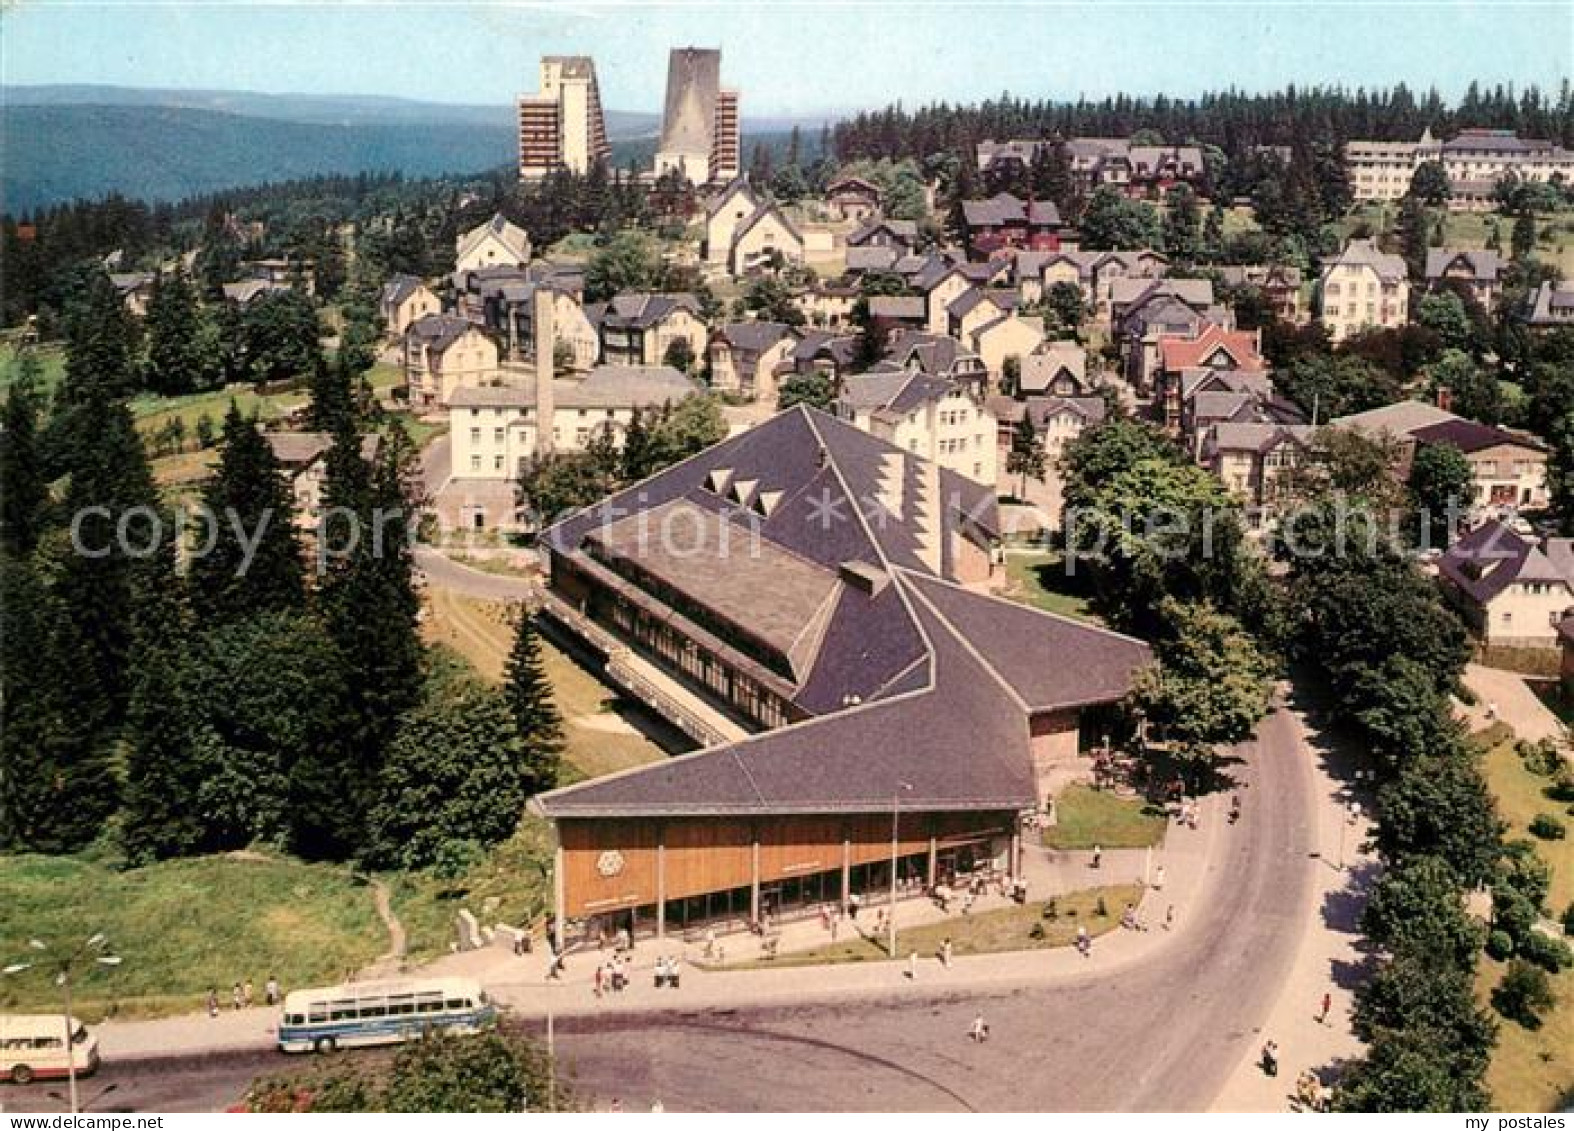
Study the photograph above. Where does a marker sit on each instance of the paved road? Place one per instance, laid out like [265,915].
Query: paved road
[436,461]
[444,571]
[1163,1035]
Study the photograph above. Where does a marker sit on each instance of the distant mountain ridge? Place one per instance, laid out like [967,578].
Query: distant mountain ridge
[61,143]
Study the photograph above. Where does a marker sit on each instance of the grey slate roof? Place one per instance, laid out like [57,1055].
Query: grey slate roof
[1470,436]
[1483,264]
[1492,557]
[944,677]
[753,337]
[638,310]
[606,386]
[438,331]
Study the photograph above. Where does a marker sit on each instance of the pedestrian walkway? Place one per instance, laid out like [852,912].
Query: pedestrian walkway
[1328,960]
[1514,702]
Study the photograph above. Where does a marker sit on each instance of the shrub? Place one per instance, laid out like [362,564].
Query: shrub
[1546,952]
[1568,919]
[1052,909]
[1036,932]
[1524,994]
[1547,827]
[1543,758]
[1512,914]
[1500,945]
[1100,909]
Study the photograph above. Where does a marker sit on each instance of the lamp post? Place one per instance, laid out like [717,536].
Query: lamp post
[64,966]
[896,817]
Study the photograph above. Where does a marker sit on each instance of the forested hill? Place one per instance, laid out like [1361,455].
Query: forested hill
[57,153]
[1232,120]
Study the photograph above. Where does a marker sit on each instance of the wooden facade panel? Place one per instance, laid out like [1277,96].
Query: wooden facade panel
[800,846]
[611,865]
[607,865]
[706,855]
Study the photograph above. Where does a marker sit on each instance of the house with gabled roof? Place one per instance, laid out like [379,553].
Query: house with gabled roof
[724,215]
[940,420]
[763,238]
[748,359]
[852,198]
[405,298]
[1475,272]
[496,243]
[1363,288]
[444,352]
[638,328]
[1257,461]
[1003,222]
[878,231]
[1055,369]
[816,610]
[1551,306]
[1513,589]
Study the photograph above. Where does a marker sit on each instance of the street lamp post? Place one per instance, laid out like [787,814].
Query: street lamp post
[64,966]
[896,817]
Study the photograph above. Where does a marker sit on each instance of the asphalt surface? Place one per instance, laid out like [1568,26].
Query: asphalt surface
[1159,1037]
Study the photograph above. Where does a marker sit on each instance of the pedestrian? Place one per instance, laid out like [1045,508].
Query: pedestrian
[836,925]
[270,989]
[235,997]
[601,974]
[912,966]
[945,954]
[710,942]
[673,970]
[979,1030]
[1169,917]
[1270,1059]
[213,1001]
[661,971]
[1235,808]
[853,902]
[1491,710]
[1328,1002]
[1158,878]
[246,993]
[1084,943]
[1098,855]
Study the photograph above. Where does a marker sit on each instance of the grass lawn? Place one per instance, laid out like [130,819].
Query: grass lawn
[512,885]
[51,358]
[1040,580]
[184,925]
[153,413]
[598,740]
[1086,817]
[1531,1069]
[989,932]
[185,469]
[420,431]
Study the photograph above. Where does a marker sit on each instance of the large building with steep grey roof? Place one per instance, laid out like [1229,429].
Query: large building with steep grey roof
[797,595]
[1363,288]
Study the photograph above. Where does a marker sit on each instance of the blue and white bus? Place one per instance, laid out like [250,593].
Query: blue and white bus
[377,1013]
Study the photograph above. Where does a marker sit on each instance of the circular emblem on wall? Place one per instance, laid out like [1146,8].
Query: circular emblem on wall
[610,863]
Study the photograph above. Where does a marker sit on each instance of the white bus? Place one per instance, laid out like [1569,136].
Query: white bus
[33,1047]
[375,1013]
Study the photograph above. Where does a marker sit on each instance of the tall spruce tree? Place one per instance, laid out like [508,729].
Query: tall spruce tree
[332,405]
[370,609]
[112,511]
[24,487]
[176,364]
[101,343]
[529,694]
[254,562]
[167,746]
[57,786]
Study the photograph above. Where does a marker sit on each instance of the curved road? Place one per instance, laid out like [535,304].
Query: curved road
[1163,1035]
[1157,1037]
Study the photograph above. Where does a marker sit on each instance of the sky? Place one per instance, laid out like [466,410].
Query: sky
[791,56]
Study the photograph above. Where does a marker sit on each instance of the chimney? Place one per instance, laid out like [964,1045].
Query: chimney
[1445,399]
[546,341]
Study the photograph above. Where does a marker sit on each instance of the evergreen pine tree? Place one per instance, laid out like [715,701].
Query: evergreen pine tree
[1522,244]
[332,405]
[529,695]
[167,747]
[24,488]
[101,341]
[251,506]
[111,505]
[175,364]
[370,610]
[56,784]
